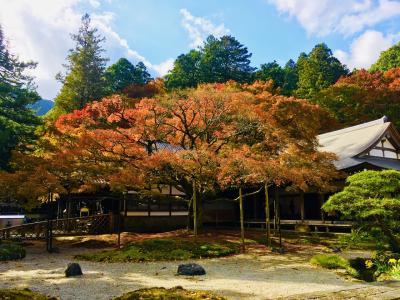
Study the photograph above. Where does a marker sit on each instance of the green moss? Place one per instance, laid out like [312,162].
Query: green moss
[15,294]
[333,261]
[10,251]
[163,249]
[176,293]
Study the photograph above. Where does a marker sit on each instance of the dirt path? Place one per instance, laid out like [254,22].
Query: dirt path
[250,276]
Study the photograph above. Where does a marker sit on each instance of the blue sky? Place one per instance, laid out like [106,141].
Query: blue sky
[157,31]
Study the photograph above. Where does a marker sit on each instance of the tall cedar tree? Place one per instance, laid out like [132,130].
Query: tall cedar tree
[84,81]
[17,92]
[218,61]
[123,73]
[317,70]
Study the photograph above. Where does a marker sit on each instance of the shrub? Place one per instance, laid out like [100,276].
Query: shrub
[333,261]
[176,293]
[163,249]
[26,294]
[11,251]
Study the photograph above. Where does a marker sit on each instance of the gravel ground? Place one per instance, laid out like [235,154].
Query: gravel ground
[245,276]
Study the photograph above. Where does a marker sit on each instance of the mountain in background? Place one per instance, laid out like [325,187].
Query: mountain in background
[42,106]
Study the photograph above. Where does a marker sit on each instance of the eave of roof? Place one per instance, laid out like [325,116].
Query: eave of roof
[350,143]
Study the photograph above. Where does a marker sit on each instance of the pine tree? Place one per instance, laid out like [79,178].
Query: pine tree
[123,73]
[17,91]
[84,81]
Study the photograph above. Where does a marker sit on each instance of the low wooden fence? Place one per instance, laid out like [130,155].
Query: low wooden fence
[96,224]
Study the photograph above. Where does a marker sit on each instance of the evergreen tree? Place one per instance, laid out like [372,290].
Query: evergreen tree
[225,59]
[318,70]
[84,81]
[123,73]
[219,60]
[271,71]
[17,91]
[291,78]
[185,72]
[388,59]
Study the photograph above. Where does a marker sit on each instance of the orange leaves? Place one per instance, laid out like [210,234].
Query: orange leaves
[217,135]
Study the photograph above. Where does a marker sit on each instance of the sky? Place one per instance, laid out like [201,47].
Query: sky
[157,31]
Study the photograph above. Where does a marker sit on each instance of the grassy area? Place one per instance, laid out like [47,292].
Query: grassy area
[355,267]
[10,251]
[14,294]
[334,261]
[176,293]
[164,249]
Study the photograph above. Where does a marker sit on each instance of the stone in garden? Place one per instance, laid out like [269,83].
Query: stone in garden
[336,249]
[278,250]
[73,269]
[191,270]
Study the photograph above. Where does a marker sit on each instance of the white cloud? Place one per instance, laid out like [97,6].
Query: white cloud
[200,28]
[40,31]
[322,17]
[113,40]
[366,48]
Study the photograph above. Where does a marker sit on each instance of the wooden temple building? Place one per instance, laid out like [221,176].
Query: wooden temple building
[372,145]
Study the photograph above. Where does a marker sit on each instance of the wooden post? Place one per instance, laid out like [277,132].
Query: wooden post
[267,220]
[302,212]
[241,219]
[119,223]
[275,211]
[194,210]
[278,216]
[49,229]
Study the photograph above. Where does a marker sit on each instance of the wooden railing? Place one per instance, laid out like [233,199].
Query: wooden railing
[96,224]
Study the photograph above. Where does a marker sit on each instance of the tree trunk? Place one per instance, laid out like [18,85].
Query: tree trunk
[275,219]
[241,220]
[194,210]
[394,244]
[119,224]
[267,220]
[278,215]
[49,229]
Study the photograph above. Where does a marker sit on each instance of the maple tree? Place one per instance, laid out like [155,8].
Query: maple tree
[363,96]
[200,141]
[284,152]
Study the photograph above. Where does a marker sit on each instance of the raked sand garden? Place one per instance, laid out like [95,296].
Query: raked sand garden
[258,274]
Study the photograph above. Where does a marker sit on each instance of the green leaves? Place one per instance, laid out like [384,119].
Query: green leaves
[318,70]
[219,60]
[388,59]
[123,73]
[84,81]
[17,122]
[371,197]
